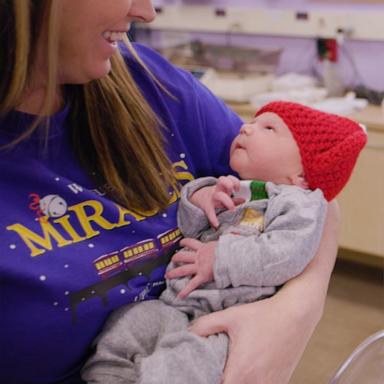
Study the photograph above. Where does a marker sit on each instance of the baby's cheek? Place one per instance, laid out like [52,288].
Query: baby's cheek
[234,162]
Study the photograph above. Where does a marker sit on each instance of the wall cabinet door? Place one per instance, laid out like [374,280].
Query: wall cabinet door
[362,201]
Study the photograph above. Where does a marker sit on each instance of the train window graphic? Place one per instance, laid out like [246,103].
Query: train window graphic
[107,263]
[167,239]
[117,261]
[143,249]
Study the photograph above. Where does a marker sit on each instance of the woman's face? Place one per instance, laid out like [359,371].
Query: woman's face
[88,35]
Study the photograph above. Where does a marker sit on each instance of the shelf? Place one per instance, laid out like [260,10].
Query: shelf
[357,24]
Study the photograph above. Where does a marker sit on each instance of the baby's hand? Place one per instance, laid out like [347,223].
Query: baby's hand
[218,196]
[197,260]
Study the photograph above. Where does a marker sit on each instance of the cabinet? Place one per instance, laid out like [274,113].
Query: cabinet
[362,201]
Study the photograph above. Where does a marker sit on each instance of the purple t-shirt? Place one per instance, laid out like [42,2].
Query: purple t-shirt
[68,254]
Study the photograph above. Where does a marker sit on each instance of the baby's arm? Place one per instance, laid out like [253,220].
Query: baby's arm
[197,258]
[199,200]
[190,218]
[217,196]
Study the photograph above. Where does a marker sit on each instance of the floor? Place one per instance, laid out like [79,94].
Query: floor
[354,310]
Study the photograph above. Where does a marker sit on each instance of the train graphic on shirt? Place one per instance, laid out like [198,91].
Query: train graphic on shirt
[111,263]
[121,268]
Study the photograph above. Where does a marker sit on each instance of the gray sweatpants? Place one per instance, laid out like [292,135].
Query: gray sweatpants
[150,344]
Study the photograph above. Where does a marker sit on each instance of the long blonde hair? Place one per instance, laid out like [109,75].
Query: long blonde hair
[119,136]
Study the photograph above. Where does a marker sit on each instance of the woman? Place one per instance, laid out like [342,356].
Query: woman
[93,145]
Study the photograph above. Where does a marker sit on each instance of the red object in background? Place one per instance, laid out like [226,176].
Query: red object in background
[327,49]
[332,49]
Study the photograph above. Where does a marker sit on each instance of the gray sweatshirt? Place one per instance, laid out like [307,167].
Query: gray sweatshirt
[260,245]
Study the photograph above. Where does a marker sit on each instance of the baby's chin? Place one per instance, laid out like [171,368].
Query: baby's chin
[246,176]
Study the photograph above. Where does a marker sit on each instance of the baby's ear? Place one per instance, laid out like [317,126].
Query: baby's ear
[300,181]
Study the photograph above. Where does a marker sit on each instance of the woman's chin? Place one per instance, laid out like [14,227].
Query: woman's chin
[86,75]
[97,71]
[101,71]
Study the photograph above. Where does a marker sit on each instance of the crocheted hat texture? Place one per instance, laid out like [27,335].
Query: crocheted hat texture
[329,144]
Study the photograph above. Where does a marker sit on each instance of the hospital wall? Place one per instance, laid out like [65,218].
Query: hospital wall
[359,61]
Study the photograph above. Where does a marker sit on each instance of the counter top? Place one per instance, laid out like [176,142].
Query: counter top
[372,116]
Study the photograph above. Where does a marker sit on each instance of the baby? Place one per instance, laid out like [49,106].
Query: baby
[245,238]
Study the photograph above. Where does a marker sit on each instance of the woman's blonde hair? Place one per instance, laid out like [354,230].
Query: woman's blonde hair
[118,138]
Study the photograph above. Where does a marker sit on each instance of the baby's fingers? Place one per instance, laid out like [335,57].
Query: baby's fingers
[226,184]
[212,218]
[224,200]
[191,243]
[183,270]
[191,286]
[184,257]
[238,200]
[235,182]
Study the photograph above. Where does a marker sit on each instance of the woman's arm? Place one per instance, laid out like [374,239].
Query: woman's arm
[268,338]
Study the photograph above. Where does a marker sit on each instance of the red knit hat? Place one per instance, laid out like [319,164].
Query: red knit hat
[329,144]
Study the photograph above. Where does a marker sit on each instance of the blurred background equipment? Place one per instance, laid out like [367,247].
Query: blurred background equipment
[233,73]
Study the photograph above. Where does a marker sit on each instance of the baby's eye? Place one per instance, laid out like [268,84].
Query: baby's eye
[269,128]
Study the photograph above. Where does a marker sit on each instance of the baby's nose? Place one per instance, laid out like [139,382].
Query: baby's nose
[246,129]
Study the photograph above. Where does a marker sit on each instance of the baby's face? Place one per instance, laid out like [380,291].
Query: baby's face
[266,150]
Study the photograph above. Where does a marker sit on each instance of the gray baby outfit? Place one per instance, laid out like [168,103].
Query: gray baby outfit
[260,245]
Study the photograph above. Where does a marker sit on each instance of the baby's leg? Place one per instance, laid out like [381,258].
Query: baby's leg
[185,358]
[131,334]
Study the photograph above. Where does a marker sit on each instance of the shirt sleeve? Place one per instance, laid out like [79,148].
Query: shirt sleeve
[191,219]
[293,227]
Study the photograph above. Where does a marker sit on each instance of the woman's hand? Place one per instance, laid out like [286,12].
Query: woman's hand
[268,338]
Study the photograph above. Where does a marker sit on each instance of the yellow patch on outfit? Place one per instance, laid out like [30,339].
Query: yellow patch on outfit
[252,218]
